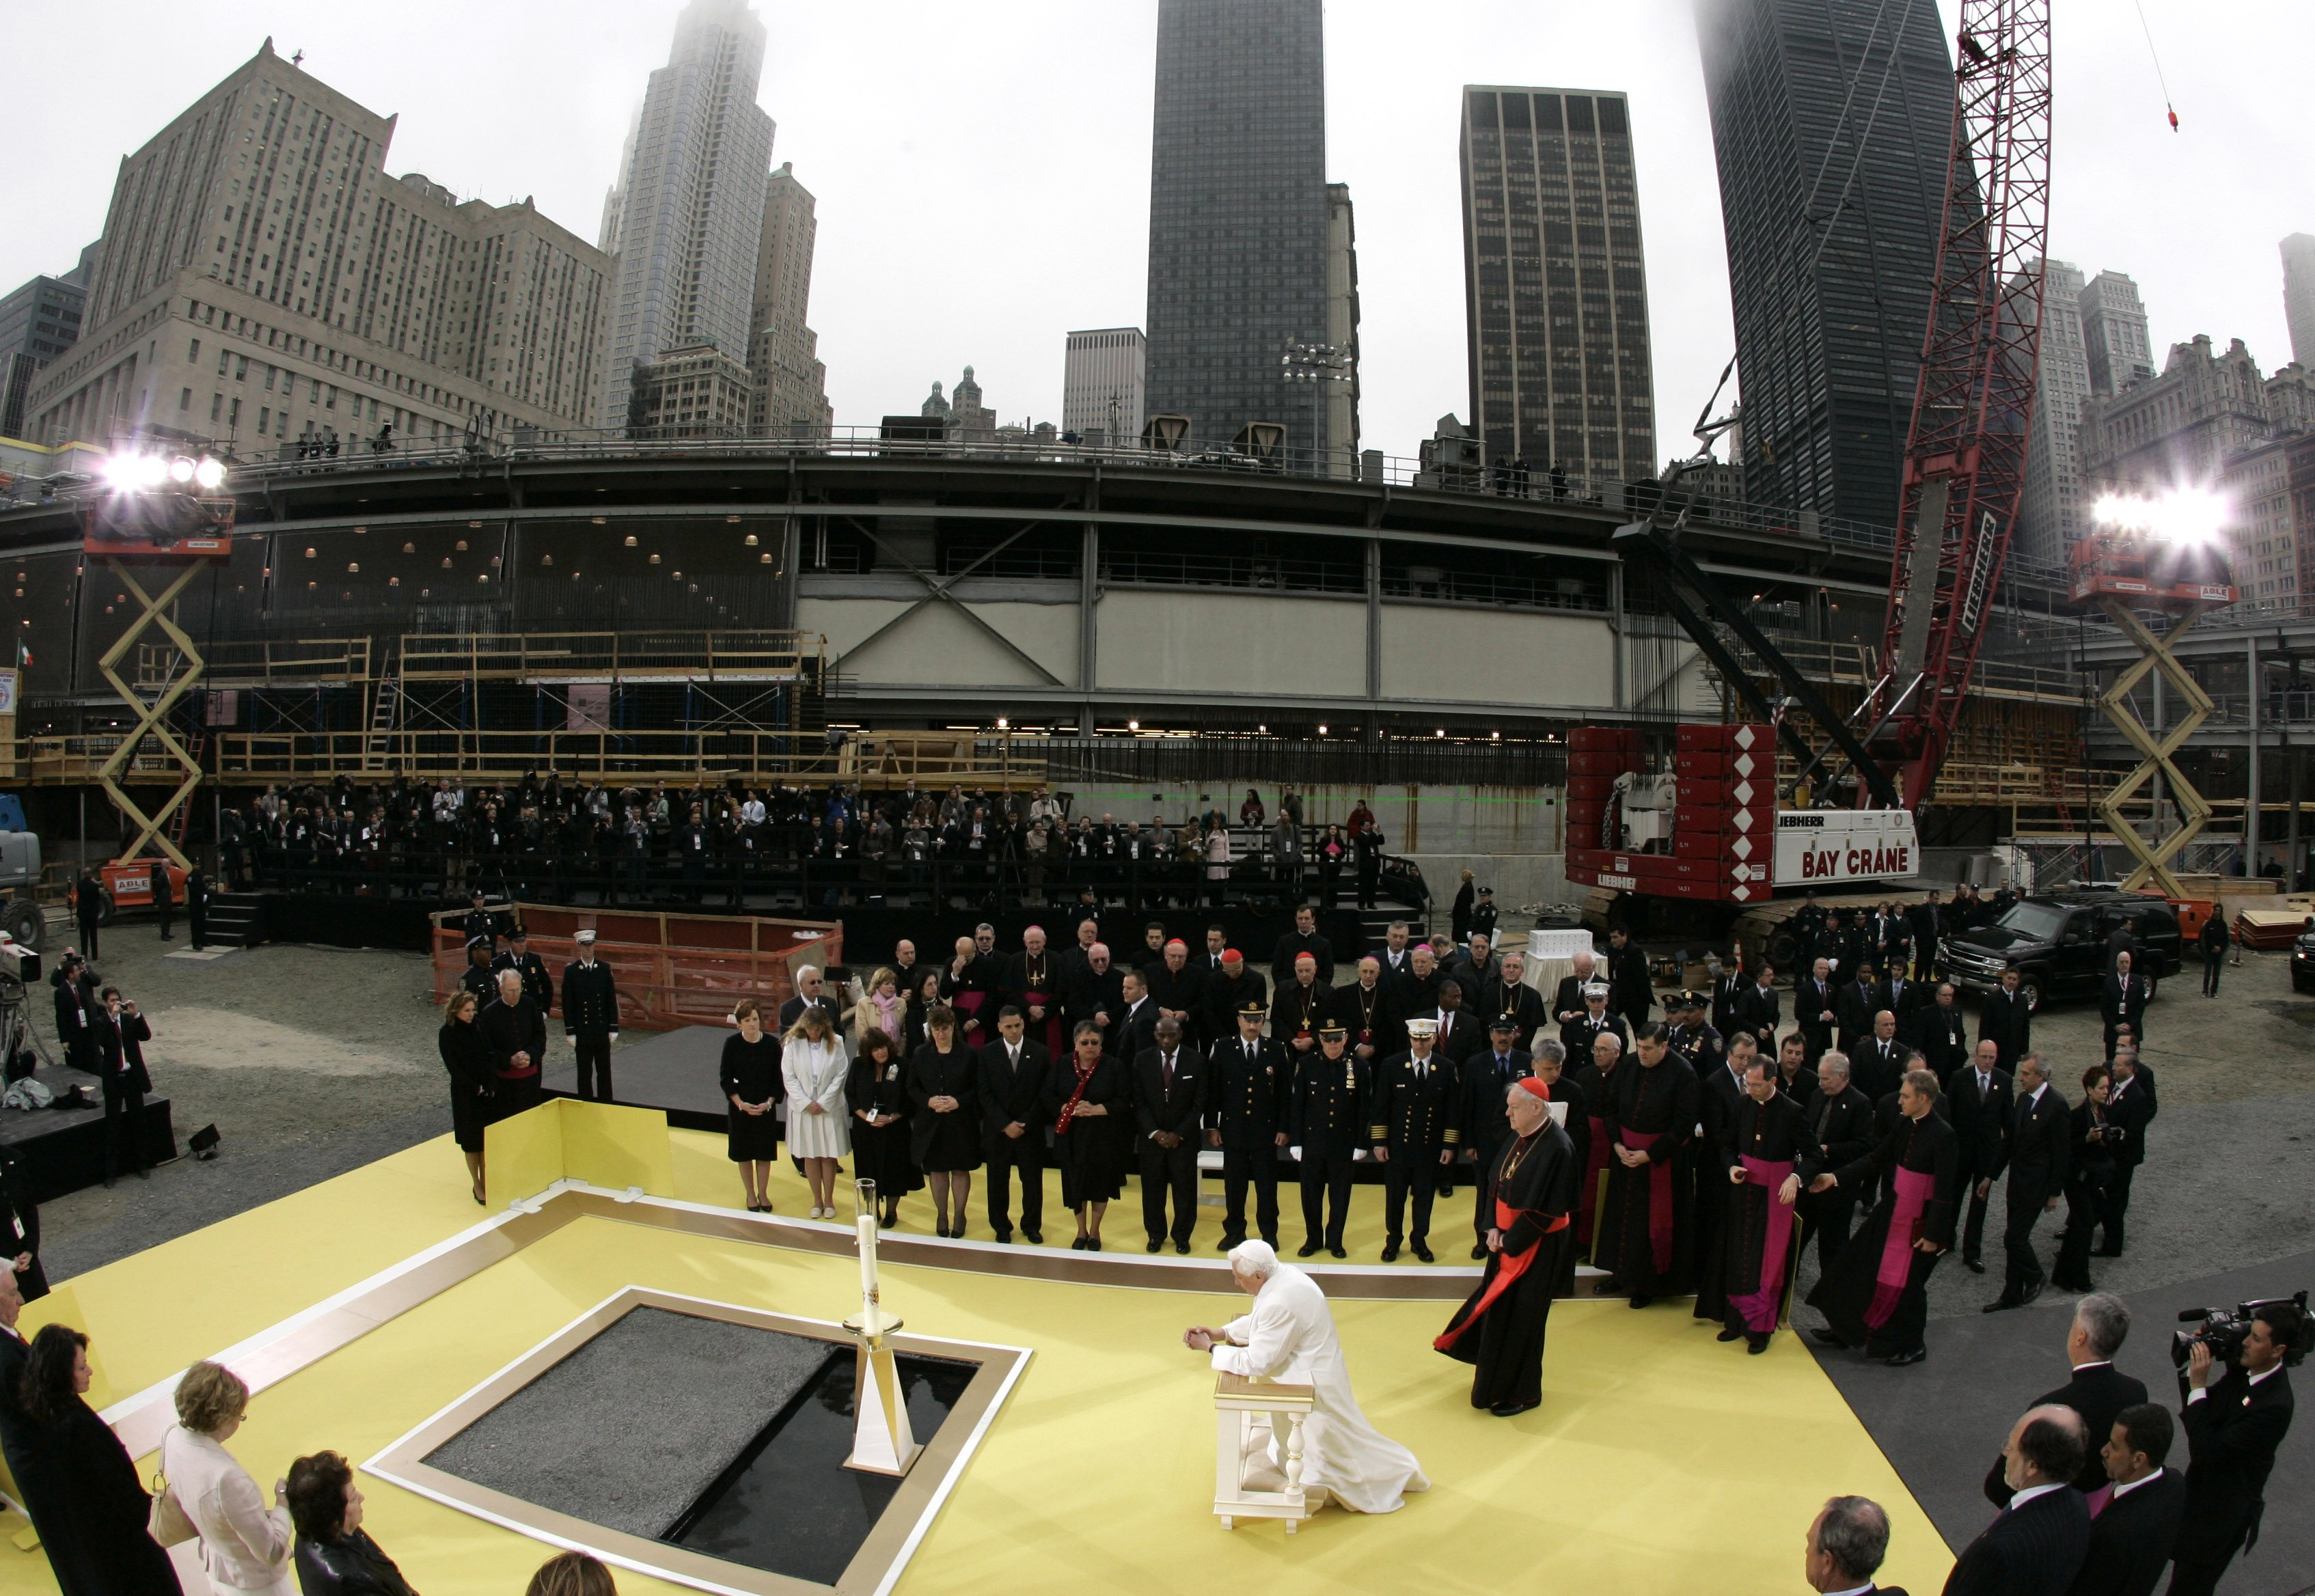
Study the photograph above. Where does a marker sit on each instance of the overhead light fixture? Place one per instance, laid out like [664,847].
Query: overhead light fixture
[1133,725]
[631,538]
[752,540]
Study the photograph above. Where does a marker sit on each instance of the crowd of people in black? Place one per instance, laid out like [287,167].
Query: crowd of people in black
[545,838]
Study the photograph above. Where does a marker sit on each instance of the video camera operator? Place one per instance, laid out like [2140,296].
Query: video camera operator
[2234,1423]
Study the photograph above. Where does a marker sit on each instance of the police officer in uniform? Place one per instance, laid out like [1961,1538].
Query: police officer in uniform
[480,976]
[1334,1094]
[1250,1087]
[591,1018]
[1698,1043]
[477,921]
[536,984]
[1415,1134]
[1578,1035]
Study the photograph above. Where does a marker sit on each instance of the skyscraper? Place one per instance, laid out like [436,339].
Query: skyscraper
[1237,213]
[1103,376]
[1831,126]
[783,353]
[261,279]
[2051,518]
[686,216]
[37,323]
[1555,291]
[2298,295]
[2114,333]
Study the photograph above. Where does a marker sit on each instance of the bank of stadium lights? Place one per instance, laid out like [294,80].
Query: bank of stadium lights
[145,474]
[2189,515]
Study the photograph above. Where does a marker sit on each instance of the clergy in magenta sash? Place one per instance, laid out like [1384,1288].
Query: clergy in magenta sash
[1289,1335]
[1530,1191]
[1876,1295]
[1769,1157]
[1644,1233]
[1593,1077]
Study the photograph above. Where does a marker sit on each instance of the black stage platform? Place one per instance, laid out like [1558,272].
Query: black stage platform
[63,1149]
[675,1070]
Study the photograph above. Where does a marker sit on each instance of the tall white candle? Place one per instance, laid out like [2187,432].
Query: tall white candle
[867,1228]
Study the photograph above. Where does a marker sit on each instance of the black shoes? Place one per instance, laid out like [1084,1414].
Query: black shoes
[1004,1236]
[2107,1252]
[1078,1245]
[1307,1249]
[1389,1249]
[1154,1245]
[1641,1299]
[2002,1303]
[1479,1250]
[1828,1338]
[1338,1251]
[1036,1237]
[1974,1265]
[1424,1253]
[1729,1334]
[1906,1360]
[2034,1289]
[1181,1247]
[1511,1410]
[1756,1341]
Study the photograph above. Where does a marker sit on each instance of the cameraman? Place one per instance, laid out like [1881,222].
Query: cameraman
[2233,1425]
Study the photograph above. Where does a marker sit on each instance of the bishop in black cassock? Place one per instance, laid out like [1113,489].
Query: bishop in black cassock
[1500,1329]
[1644,1232]
[1767,1157]
[1876,1295]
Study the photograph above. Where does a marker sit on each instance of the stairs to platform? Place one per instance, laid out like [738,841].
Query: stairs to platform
[235,919]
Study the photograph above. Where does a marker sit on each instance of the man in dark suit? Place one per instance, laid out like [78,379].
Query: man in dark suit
[1756,1009]
[1980,1099]
[1631,991]
[1168,1102]
[1139,1019]
[2004,1020]
[2096,1390]
[2038,1543]
[1877,1066]
[1846,1544]
[1858,1001]
[811,987]
[2121,1001]
[2130,1107]
[1303,939]
[1567,1002]
[2038,1157]
[1484,1078]
[1816,1009]
[1012,1073]
[1727,992]
[2234,1423]
[1414,1135]
[1249,1084]
[1941,1031]
[1840,1119]
[2134,1534]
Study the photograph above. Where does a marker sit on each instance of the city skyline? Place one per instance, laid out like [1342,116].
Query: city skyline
[870,117]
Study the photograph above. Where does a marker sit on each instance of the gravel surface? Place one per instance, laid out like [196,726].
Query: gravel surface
[630,1429]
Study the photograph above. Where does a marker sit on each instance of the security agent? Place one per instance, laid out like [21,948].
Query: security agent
[2134,1534]
[536,984]
[2233,1425]
[591,1018]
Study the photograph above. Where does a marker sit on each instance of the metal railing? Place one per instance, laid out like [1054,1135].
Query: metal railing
[756,655]
[300,662]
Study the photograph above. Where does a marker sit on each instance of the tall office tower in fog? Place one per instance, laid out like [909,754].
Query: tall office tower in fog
[1555,290]
[2050,518]
[1830,123]
[686,214]
[1237,213]
[2115,342]
[790,381]
[2298,296]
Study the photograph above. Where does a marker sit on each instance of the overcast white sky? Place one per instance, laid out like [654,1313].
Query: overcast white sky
[982,170]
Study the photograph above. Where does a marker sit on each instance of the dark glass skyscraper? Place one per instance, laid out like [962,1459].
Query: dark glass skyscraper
[1238,212]
[1554,283]
[1831,124]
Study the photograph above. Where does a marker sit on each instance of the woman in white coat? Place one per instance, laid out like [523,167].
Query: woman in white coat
[815,1069]
[245,1545]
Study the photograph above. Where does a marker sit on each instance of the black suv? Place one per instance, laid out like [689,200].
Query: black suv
[2303,962]
[2057,941]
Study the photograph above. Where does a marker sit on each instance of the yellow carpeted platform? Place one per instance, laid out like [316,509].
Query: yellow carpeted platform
[1661,1460]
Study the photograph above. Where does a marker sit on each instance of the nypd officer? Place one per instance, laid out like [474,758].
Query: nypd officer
[1334,1094]
[1248,1089]
[591,1018]
[1415,1135]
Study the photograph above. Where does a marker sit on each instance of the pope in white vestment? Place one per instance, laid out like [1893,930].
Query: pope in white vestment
[1289,1335]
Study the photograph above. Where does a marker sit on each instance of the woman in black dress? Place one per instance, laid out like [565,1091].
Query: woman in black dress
[460,1043]
[945,1138]
[94,1529]
[929,992]
[2089,1174]
[880,1103]
[1086,1094]
[751,1079]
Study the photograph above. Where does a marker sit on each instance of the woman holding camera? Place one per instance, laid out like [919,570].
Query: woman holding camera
[2089,1174]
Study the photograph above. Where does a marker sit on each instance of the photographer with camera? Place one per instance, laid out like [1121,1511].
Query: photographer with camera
[2233,1425]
